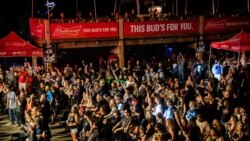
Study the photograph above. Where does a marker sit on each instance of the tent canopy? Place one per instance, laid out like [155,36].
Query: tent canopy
[238,43]
[14,46]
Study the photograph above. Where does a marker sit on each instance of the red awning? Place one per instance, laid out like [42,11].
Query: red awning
[14,46]
[238,43]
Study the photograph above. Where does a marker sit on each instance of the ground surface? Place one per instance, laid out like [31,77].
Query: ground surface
[58,131]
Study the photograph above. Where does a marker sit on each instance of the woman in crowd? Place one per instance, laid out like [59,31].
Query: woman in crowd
[231,125]
[239,133]
[142,134]
[219,128]
[189,81]
[213,136]
[72,122]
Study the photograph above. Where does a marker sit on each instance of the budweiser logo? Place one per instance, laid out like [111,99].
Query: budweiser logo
[2,53]
[235,47]
[224,46]
[37,31]
[215,24]
[19,53]
[72,31]
[17,44]
[37,53]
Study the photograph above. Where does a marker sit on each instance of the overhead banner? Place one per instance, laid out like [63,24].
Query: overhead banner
[83,30]
[37,28]
[227,24]
[159,28]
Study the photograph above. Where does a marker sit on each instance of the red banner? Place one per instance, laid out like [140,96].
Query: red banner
[37,28]
[156,28]
[227,24]
[83,30]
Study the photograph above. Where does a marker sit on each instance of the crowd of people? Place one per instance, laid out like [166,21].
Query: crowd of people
[159,100]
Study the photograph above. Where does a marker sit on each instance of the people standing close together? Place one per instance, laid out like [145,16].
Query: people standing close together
[152,101]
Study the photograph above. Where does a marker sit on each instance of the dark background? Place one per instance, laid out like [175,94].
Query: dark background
[14,14]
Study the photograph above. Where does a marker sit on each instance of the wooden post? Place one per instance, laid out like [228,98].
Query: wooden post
[176,7]
[34,61]
[32,8]
[47,38]
[213,6]
[121,54]
[199,55]
[121,45]
[248,6]
[209,59]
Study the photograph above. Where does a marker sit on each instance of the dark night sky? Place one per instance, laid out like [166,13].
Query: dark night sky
[14,14]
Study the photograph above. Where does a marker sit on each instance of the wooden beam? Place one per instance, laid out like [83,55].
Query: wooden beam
[92,44]
[162,40]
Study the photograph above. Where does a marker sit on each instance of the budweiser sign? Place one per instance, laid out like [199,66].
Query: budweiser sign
[16,44]
[235,47]
[18,53]
[215,24]
[226,24]
[38,30]
[157,28]
[37,53]
[2,53]
[83,30]
[72,31]
[224,46]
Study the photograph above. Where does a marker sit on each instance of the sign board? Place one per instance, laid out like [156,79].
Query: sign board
[161,28]
[37,28]
[84,30]
[200,44]
[49,53]
[227,24]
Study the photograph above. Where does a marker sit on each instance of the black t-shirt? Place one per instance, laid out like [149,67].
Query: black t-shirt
[242,75]
[1,96]
[45,108]
[23,105]
[100,103]
[40,91]
[227,105]
[85,125]
[94,135]
[225,70]
[114,120]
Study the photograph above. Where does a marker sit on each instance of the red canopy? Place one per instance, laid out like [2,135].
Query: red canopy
[238,43]
[14,46]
